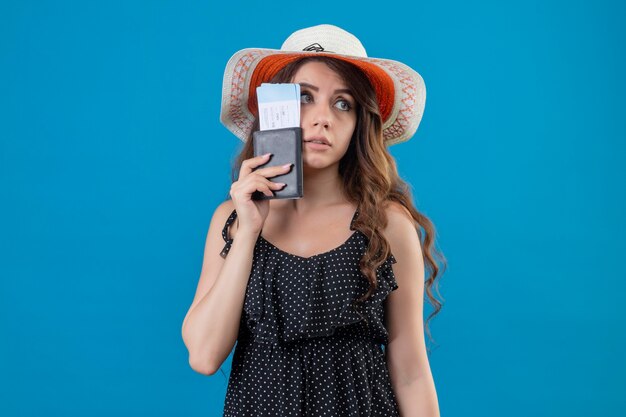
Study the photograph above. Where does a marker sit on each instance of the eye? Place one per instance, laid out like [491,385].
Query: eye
[343,105]
[305,97]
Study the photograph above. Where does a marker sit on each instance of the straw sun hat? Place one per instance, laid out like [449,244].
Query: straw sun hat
[400,90]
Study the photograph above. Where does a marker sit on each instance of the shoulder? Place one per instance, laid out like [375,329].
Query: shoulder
[227,206]
[399,219]
[222,213]
[401,231]
[395,209]
[224,210]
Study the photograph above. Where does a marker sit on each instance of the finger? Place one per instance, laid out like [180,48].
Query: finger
[265,189]
[265,184]
[273,171]
[248,165]
[272,189]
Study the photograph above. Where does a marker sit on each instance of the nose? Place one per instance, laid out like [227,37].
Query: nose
[320,116]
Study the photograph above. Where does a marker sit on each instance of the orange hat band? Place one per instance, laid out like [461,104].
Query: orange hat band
[269,66]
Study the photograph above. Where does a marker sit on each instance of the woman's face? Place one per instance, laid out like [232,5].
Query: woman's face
[327,113]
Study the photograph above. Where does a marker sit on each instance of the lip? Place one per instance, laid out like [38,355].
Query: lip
[316,146]
[320,138]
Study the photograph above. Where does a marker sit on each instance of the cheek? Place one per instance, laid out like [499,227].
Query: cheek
[303,113]
[350,125]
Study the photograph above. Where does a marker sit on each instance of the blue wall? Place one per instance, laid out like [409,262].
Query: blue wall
[112,160]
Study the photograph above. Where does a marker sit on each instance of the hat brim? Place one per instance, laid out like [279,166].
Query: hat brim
[400,91]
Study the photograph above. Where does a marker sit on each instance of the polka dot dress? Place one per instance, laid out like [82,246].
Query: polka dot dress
[304,348]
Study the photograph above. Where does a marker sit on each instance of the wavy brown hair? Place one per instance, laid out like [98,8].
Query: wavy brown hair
[370,180]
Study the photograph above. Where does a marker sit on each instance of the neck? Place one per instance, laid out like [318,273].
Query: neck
[322,188]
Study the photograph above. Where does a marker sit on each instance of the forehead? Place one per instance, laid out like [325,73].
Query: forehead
[319,74]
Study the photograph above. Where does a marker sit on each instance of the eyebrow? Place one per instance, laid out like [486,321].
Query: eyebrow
[314,88]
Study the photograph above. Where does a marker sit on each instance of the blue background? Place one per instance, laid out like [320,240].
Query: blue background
[112,160]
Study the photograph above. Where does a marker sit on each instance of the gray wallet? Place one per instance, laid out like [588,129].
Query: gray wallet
[286,146]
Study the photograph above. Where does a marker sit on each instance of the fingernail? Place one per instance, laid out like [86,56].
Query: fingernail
[267,154]
[287,165]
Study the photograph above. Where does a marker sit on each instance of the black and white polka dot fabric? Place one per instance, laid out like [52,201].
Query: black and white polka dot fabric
[303,348]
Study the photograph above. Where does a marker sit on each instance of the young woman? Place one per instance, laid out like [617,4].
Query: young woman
[311,289]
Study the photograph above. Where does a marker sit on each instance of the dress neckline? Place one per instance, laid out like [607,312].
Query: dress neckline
[308,258]
[317,255]
[229,240]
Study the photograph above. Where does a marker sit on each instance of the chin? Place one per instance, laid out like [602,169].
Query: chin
[313,165]
[316,163]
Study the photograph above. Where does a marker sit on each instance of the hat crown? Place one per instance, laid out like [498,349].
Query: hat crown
[324,38]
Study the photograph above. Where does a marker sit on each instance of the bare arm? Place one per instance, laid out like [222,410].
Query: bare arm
[211,325]
[407,360]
